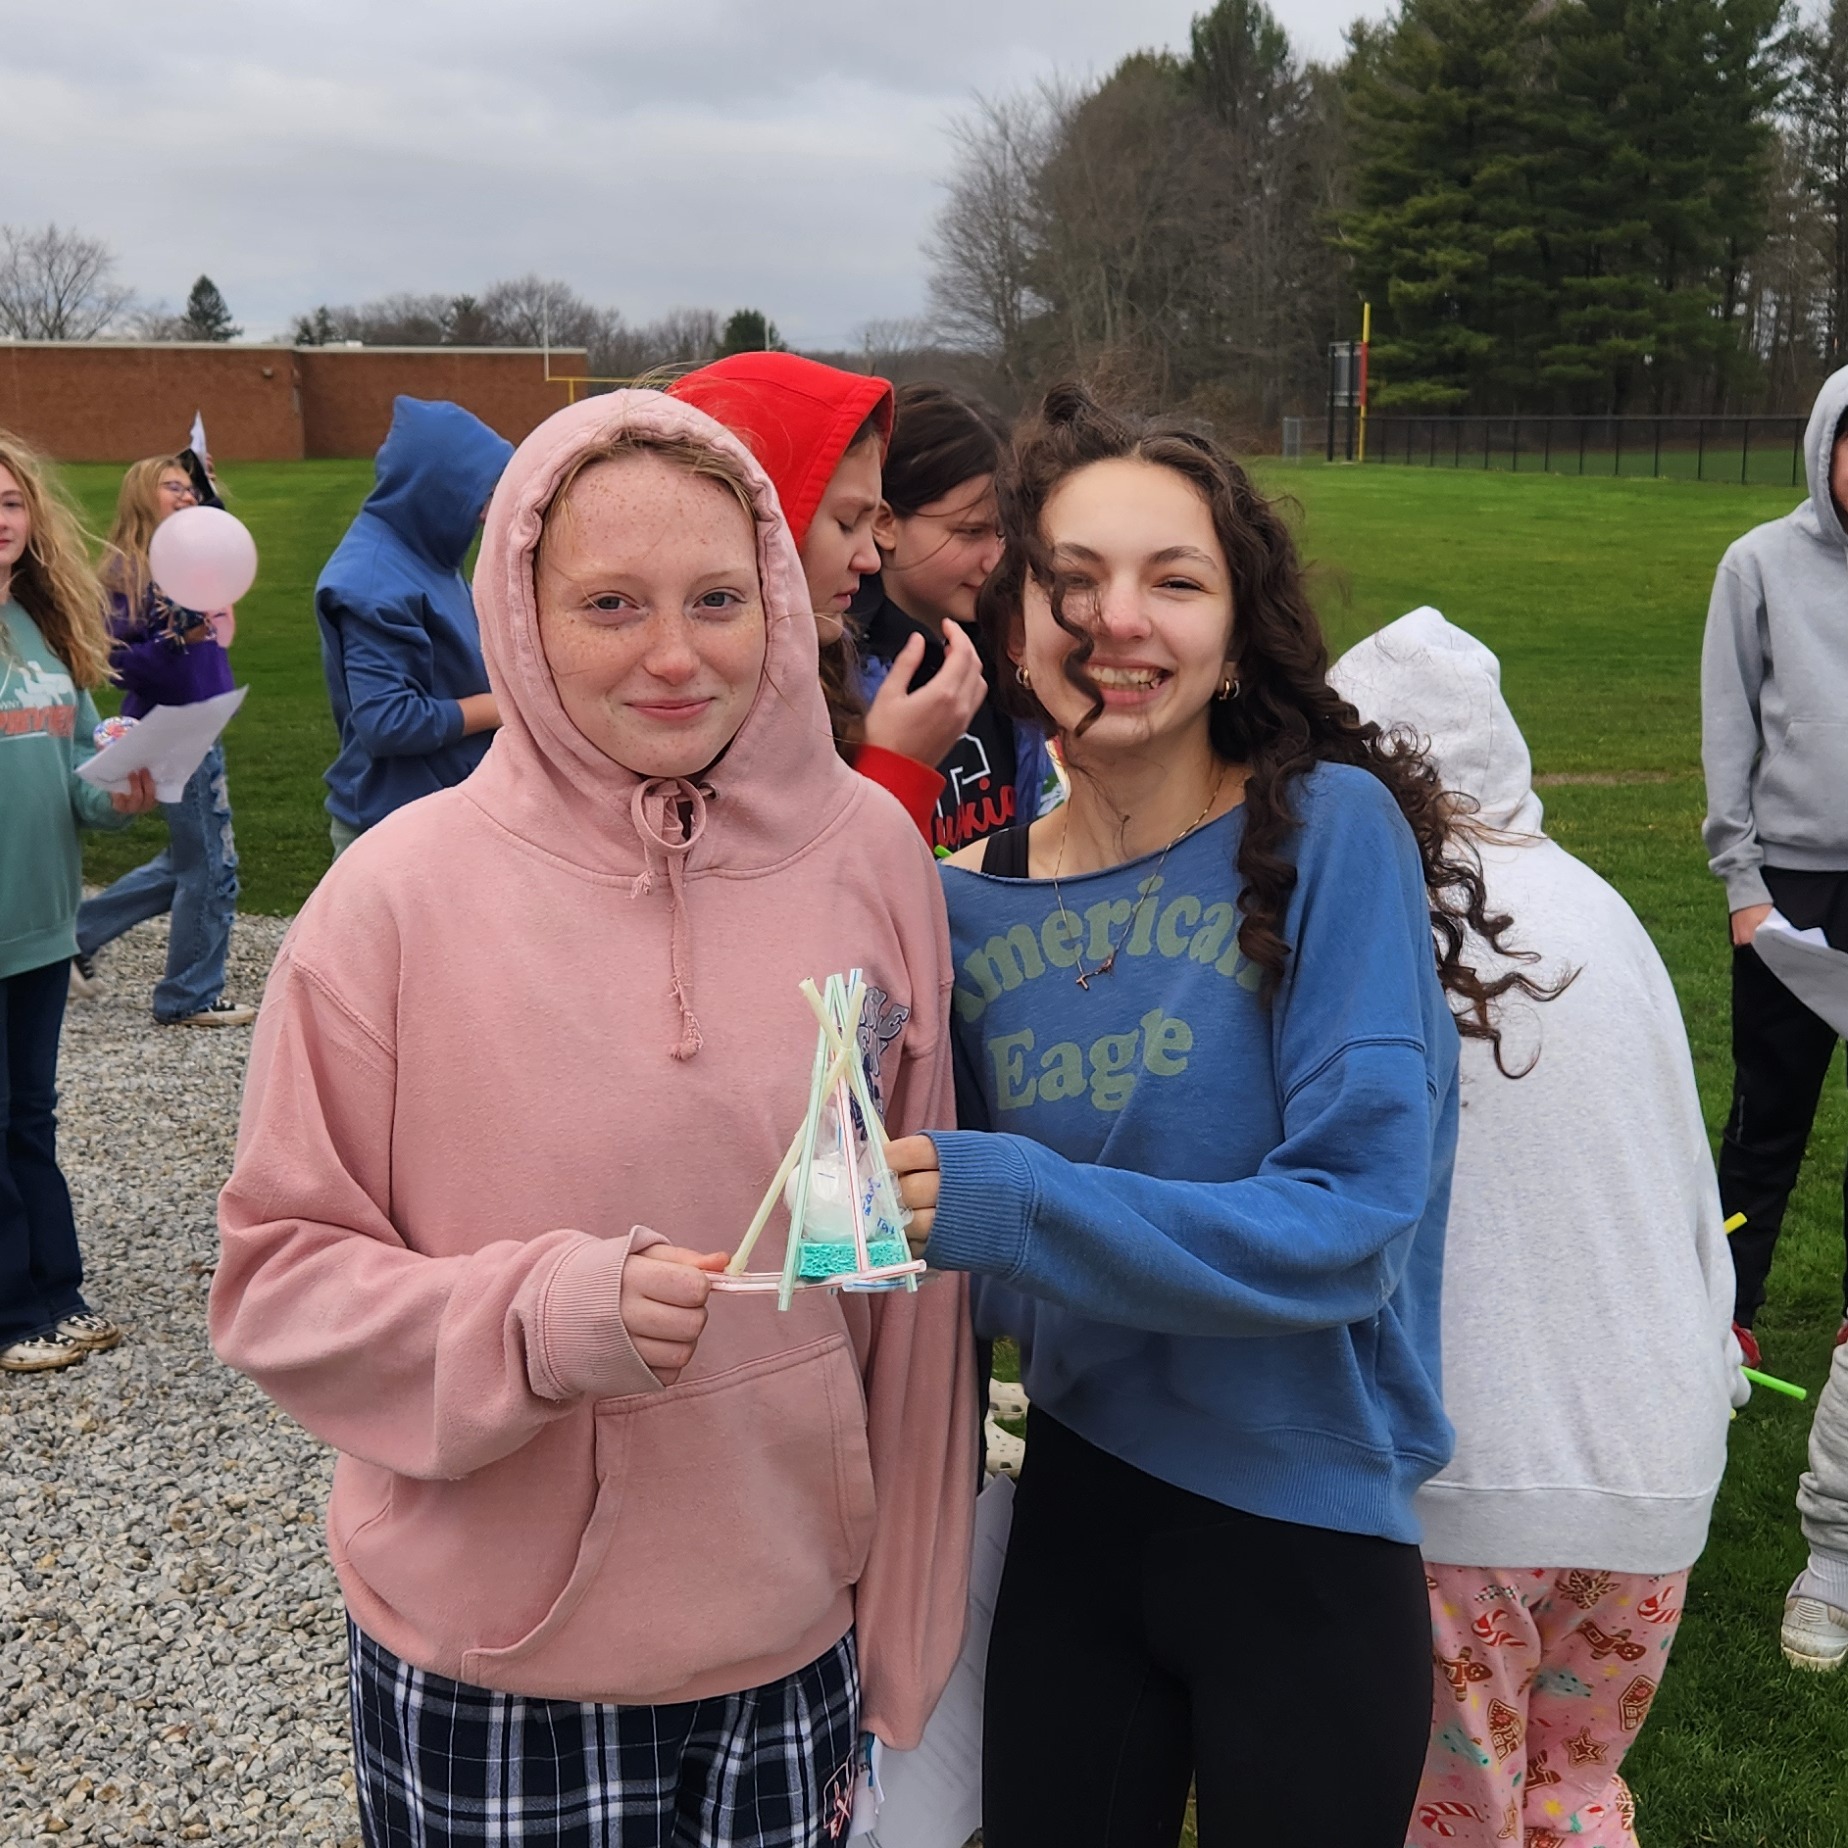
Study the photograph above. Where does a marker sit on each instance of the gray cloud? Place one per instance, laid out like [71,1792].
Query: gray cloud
[650,152]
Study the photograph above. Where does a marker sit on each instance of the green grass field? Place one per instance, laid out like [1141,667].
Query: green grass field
[1593,593]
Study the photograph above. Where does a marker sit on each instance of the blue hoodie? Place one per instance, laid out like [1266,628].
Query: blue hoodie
[1215,1224]
[399,644]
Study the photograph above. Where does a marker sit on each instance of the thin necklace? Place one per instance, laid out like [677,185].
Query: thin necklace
[1084,975]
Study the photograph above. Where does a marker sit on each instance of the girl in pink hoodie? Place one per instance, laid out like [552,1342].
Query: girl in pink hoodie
[617,1561]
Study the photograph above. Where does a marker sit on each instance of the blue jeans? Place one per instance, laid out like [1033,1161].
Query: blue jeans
[40,1268]
[195,877]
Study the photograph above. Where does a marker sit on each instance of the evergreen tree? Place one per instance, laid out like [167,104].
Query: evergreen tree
[1662,131]
[1819,101]
[749,331]
[1449,232]
[207,317]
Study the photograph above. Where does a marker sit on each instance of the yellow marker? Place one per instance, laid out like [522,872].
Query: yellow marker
[1733,1224]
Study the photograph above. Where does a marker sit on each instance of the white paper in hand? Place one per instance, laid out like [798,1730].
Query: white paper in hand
[932,1797]
[169,742]
[1803,961]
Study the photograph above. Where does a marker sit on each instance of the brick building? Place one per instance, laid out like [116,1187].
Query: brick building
[112,401]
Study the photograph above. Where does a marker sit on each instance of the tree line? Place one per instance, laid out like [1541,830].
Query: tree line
[1571,206]
[536,311]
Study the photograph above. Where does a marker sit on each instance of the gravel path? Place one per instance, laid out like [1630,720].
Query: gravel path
[172,1656]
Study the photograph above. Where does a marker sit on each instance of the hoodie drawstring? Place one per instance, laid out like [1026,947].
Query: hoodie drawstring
[670,816]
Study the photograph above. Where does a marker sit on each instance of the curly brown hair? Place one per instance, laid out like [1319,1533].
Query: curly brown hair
[1287,717]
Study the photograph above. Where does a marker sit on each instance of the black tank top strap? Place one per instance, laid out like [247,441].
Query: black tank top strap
[1004,854]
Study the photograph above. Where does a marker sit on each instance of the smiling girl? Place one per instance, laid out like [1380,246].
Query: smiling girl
[1211,1098]
[54,647]
[526,1061]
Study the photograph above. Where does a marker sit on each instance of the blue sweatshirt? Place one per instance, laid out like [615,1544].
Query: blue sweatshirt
[1216,1227]
[399,645]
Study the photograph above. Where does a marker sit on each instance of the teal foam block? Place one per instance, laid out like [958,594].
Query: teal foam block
[827,1258]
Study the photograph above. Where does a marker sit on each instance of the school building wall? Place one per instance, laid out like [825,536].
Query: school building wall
[112,401]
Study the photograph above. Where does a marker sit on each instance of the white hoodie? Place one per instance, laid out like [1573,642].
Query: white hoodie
[1587,1285]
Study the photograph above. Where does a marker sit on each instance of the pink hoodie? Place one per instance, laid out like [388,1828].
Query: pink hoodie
[518,1019]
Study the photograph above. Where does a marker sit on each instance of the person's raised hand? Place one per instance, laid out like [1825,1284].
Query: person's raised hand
[913,1161]
[1745,922]
[137,798]
[926,723]
[664,1291]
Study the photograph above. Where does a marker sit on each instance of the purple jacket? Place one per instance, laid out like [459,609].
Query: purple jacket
[153,666]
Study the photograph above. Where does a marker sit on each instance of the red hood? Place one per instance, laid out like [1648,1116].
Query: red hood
[797,416]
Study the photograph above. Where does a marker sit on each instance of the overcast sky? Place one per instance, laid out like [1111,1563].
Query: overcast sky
[781,153]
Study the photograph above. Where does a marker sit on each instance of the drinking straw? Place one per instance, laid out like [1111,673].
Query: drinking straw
[876,1135]
[1783,1386]
[1733,1224]
[767,1205]
[792,1253]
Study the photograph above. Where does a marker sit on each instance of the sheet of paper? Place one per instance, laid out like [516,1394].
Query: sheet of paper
[1803,961]
[933,1795]
[170,743]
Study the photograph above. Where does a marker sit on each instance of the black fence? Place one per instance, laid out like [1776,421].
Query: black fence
[1767,451]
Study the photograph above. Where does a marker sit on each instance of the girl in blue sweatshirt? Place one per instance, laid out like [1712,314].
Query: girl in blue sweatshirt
[1209,1075]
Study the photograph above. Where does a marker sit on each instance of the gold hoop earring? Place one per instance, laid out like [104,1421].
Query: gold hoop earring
[1025,679]
[1228,689]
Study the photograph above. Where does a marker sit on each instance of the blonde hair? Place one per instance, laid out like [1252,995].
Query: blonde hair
[698,459]
[125,556]
[54,582]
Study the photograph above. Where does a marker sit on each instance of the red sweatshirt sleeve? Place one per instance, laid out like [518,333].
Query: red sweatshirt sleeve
[923,1433]
[429,1366]
[916,785]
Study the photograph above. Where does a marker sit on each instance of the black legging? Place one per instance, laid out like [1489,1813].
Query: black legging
[1146,1638]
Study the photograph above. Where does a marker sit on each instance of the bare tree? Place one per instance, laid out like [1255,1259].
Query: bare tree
[532,311]
[526,311]
[58,285]
[984,245]
[1165,230]
[678,341]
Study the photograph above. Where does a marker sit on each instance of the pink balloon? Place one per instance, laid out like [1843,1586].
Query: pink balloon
[202,558]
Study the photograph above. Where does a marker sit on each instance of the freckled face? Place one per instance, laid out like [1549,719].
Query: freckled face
[650,613]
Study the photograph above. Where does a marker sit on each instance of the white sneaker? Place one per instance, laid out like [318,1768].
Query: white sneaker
[89,1330]
[1814,1635]
[41,1354]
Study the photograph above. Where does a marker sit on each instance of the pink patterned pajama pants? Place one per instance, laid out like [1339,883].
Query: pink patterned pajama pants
[1543,1679]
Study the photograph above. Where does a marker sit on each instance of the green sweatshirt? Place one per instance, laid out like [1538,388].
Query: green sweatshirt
[46,723]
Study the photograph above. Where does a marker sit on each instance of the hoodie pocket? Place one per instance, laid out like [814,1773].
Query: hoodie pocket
[1802,787]
[730,1514]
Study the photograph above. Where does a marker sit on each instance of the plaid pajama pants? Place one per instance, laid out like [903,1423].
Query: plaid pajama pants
[440,1764]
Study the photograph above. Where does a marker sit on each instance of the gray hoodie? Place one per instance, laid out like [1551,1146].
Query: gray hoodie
[1588,1289]
[1774,686]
